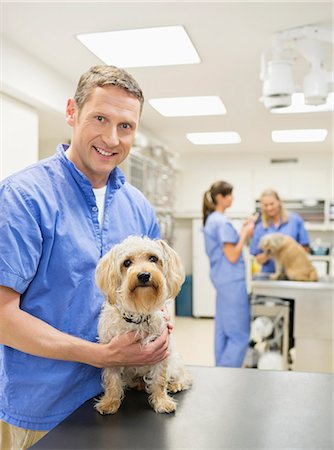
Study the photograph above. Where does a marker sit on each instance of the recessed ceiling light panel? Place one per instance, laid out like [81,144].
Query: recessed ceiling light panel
[307,135]
[221,137]
[188,106]
[143,47]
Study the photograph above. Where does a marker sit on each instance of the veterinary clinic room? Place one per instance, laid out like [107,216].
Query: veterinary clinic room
[166,278]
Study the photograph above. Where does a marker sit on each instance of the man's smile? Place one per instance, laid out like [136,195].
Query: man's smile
[104,152]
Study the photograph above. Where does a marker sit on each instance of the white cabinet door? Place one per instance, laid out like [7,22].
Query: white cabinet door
[204,294]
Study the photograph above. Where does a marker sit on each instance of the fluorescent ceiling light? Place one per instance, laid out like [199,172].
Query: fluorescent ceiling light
[158,46]
[188,106]
[310,135]
[298,105]
[222,137]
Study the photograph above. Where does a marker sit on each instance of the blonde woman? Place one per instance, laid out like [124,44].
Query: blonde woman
[274,219]
[227,272]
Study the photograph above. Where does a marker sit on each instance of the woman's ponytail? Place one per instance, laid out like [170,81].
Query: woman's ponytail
[209,198]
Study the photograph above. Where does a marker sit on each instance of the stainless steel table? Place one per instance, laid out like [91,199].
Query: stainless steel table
[225,409]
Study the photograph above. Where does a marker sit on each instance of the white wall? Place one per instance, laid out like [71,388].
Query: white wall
[250,174]
[27,79]
[31,82]
[19,136]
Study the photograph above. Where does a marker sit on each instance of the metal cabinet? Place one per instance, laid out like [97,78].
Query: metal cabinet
[156,181]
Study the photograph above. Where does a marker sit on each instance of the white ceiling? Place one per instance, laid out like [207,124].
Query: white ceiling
[229,38]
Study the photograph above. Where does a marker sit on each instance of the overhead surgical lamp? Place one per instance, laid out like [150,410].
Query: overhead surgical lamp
[279,84]
[313,44]
[315,87]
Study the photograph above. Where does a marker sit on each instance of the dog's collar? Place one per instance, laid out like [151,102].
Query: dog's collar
[133,317]
[136,318]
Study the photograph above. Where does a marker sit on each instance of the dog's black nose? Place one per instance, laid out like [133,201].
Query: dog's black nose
[143,277]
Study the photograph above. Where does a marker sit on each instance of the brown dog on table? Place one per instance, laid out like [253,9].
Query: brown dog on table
[138,277]
[290,258]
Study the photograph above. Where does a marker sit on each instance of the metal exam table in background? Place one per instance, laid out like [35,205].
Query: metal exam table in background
[313,319]
[225,409]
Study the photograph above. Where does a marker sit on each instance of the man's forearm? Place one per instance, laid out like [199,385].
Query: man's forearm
[26,333]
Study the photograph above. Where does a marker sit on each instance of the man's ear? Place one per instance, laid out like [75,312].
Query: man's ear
[71,109]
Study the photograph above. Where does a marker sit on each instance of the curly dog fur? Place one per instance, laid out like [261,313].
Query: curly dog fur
[137,278]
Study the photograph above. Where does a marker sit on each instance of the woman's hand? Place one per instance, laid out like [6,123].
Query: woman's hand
[247,229]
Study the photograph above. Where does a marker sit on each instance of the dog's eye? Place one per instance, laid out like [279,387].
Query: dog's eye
[127,263]
[153,259]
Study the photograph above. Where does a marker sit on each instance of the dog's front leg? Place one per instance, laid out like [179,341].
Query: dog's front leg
[113,392]
[159,399]
[278,271]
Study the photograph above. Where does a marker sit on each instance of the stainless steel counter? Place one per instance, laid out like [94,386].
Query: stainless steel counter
[325,284]
[313,319]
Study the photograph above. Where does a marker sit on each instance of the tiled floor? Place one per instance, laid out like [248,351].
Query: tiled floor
[194,340]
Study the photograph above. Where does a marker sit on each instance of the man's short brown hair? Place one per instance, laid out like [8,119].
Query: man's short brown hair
[103,75]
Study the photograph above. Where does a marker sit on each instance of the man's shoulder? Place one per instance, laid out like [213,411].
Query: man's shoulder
[32,179]
[134,193]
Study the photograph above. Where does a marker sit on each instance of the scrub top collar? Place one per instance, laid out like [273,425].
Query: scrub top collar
[115,181]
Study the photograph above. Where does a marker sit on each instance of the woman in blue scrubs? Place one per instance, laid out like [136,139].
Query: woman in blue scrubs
[274,219]
[227,272]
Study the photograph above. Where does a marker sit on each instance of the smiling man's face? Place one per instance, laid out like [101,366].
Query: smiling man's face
[103,131]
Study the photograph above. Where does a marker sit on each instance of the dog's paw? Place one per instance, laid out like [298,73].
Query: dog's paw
[107,406]
[174,387]
[274,276]
[164,404]
[177,386]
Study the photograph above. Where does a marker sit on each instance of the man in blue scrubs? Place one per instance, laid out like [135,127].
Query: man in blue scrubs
[58,218]
[274,219]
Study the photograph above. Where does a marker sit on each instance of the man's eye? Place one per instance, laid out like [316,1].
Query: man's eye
[127,263]
[125,126]
[153,259]
[100,118]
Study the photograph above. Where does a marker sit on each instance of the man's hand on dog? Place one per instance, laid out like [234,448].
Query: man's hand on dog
[127,350]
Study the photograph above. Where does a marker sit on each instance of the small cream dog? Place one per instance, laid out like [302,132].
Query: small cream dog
[291,260]
[138,277]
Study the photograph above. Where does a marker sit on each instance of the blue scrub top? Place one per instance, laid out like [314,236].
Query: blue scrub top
[218,230]
[50,244]
[294,227]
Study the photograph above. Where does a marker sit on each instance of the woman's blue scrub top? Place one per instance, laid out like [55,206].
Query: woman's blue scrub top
[294,227]
[218,230]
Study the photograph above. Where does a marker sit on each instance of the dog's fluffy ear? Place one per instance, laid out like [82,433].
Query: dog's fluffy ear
[271,241]
[107,276]
[174,269]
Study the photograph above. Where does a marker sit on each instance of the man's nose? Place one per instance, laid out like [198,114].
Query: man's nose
[111,138]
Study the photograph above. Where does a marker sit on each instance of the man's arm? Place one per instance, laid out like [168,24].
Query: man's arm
[24,332]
